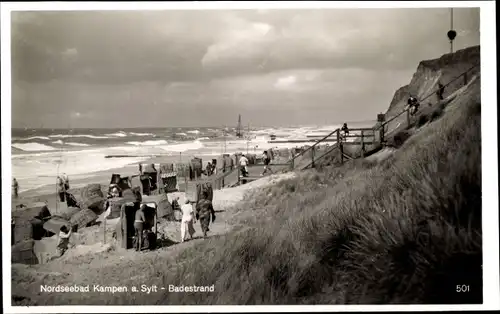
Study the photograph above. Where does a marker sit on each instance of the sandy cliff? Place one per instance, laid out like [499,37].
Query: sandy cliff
[429,72]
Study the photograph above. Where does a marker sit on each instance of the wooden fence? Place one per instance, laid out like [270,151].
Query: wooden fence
[374,138]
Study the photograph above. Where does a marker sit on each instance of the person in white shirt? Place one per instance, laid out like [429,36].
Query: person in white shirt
[66,181]
[243,165]
[188,220]
[63,241]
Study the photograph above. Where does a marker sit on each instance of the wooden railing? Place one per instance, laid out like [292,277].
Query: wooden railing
[375,136]
[360,136]
[463,75]
[292,161]
[380,130]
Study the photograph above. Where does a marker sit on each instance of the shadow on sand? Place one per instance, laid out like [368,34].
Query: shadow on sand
[164,243]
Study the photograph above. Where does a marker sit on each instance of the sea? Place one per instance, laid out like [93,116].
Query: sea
[38,155]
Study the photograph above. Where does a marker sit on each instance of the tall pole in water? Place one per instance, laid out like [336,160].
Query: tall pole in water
[248,136]
[224,139]
[451,33]
[238,131]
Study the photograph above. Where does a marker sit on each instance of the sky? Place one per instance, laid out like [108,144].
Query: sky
[112,69]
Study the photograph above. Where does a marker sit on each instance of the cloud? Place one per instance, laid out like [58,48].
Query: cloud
[285,82]
[174,63]
[244,43]
[117,47]
[70,52]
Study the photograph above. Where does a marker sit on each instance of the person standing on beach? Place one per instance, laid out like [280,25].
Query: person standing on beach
[188,220]
[205,209]
[243,165]
[140,219]
[267,161]
[61,189]
[114,191]
[209,169]
[176,208]
[15,188]
[214,168]
[66,181]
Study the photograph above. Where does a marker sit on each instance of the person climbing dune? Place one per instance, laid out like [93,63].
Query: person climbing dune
[413,105]
[440,91]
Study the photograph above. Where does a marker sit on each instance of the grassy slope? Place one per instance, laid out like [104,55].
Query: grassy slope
[407,230]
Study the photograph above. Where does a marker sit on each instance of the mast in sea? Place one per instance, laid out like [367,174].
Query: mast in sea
[238,130]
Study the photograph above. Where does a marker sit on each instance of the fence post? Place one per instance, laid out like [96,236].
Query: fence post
[312,156]
[382,134]
[362,144]
[123,221]
[158,181]
[105,218]
[339,144]
[341,153]
[185,181]
[238,173]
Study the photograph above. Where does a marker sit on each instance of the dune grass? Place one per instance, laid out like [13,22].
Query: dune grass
[405,230]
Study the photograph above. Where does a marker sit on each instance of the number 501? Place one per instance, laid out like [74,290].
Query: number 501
[463,288]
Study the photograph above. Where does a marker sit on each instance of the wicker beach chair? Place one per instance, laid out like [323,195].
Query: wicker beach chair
[83,218]
[24,253]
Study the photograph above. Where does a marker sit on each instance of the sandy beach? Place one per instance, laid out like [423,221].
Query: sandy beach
[95,244]
[91,239]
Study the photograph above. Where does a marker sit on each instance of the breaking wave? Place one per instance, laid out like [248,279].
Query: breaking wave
[118,134]
[32,147]
[35,170]
[77,135]
[141,134]
[182,147]
[34,138]
[148,143]
[77,144]
[60,142]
